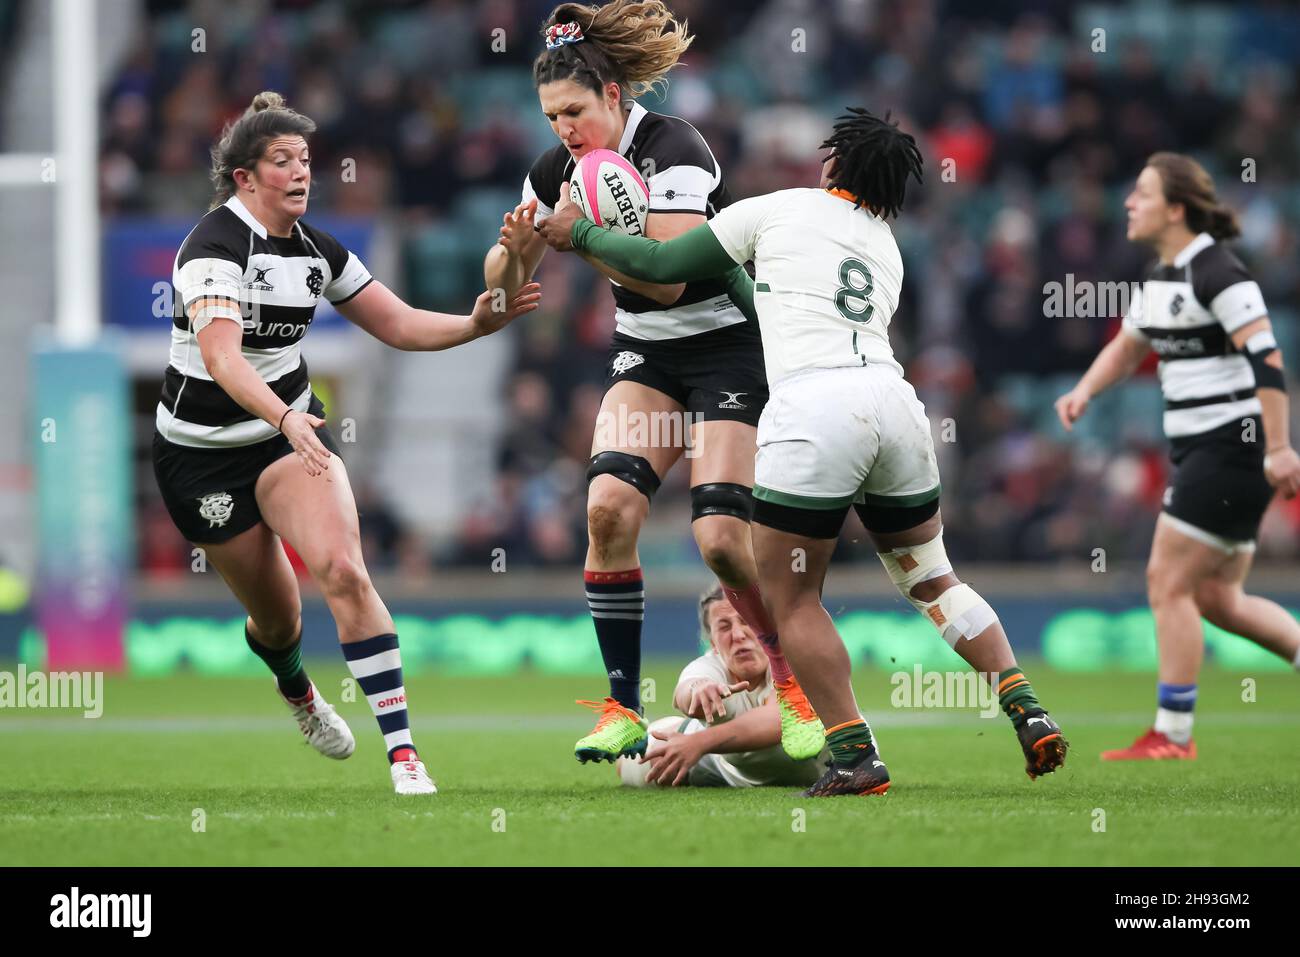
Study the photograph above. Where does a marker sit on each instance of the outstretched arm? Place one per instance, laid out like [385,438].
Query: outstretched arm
[383,314]
[512,262]
[1117,361]
[694,255]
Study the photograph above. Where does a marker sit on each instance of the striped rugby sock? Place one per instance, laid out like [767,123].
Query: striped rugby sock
[850,743]
[376,663]
[1016,696]
[617,603]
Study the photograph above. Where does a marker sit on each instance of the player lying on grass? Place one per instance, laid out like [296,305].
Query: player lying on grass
[842,426]
[1226,417]
[731,733]
[242,455]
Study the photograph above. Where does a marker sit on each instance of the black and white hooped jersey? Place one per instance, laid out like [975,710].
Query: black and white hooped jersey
[1188,312]
[683,177]
[274,283]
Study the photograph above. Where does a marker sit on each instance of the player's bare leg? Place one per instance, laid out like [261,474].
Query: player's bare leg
[1188,579]
[792,569]
[1178,564]
[623,476]
[318,516]
[918,565]
[258,572]
[1222,600]
[722,474]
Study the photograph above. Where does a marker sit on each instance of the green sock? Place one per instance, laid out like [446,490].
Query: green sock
[850,743]
[285,664]
[1016,695]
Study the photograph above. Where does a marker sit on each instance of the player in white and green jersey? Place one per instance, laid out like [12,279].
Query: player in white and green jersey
[842,427]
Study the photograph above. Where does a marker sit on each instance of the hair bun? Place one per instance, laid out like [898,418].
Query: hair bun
[267,100]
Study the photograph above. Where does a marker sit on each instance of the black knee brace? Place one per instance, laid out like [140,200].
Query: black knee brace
[722,498]
[632,469]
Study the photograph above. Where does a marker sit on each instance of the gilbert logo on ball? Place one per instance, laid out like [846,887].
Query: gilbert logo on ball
[611,192]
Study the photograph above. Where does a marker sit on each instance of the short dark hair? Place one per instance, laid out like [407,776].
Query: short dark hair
[875,158]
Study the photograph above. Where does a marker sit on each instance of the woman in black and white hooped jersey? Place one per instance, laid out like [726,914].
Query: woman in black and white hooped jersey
[242,454]
[1226,416]
[685,352]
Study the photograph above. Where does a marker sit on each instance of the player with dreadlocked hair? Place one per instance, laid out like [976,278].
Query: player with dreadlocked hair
[842,426]
[876,159]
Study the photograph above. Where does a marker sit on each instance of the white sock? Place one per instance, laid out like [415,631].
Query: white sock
[1296,660]
[1174,725]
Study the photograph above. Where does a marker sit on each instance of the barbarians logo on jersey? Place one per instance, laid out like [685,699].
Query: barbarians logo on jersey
[732,400]
[625,361]
[216,508]
[315,280]
[1176,305]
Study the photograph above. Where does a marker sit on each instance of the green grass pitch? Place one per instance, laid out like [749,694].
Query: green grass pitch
[124,789]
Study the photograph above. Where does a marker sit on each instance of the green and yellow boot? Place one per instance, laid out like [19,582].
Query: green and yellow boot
[619,732]
[802,734]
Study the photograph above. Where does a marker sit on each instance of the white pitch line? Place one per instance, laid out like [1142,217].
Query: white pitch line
[895,810]
[902,718]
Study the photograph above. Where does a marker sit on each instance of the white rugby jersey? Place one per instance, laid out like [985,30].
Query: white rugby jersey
[683,177]
[827,278]
[276,283]
[1188,311]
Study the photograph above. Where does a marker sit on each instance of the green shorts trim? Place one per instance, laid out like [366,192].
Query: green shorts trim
[825,503]
[900,501]
[820,503]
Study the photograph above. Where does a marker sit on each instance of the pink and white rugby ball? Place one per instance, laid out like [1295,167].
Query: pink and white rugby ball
[611,192]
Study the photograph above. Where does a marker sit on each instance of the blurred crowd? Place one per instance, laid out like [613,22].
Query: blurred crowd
[1033,126]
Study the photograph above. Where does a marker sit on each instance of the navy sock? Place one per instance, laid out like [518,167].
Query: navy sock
[617,603]
[1173,697]
[285,664]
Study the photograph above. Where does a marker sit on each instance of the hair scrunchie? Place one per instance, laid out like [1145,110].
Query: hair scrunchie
[558,34]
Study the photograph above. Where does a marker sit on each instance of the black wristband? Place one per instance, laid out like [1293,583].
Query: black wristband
[280,428]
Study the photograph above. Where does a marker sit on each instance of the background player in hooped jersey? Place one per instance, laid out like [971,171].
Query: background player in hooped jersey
[242,454]
[730,735]
[843,427]
[680,349]
[1221,373]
